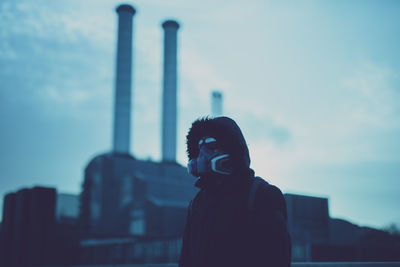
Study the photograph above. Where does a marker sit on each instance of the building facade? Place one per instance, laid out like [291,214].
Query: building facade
[124,196]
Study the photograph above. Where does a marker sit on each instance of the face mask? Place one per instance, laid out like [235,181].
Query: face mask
[210,159]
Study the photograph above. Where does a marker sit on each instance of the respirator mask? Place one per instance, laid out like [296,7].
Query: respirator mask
[211,160]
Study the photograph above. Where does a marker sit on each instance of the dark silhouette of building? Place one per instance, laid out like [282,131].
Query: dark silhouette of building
[124,196]
[28,226]
[308,223]
[317,237]
[32,234]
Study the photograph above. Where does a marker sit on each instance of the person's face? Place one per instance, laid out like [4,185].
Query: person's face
[210,160]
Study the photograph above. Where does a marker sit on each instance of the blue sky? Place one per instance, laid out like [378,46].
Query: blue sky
[314,85]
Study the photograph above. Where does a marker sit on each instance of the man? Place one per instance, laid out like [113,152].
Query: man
[236,219]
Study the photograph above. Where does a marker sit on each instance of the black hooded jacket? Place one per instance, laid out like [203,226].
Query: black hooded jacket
[225,228]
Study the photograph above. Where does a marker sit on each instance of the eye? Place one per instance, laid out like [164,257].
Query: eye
[211,143]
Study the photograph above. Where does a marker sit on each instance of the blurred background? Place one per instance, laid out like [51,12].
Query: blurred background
[313,85]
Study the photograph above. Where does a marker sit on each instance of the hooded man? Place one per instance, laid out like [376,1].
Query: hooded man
[236,219]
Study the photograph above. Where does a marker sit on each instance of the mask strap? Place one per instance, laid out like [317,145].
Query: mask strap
[214,164]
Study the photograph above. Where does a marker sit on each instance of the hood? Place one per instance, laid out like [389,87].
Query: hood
[228,136]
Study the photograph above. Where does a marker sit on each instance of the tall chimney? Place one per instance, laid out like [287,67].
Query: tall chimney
[216,103]
[123,80]
[169,109]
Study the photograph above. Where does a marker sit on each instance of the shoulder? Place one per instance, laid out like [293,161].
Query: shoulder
[269,195]
[196,197]
[196,201]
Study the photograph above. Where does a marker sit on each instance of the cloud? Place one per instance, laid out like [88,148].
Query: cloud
[373,100]
[56,58]
[261,128]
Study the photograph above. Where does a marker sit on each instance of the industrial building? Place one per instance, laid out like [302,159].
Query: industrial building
[124,196]
[308,223]
[134,210]
[32,234]
[28,216]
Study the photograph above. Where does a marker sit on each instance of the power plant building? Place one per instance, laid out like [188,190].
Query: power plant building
[123,196]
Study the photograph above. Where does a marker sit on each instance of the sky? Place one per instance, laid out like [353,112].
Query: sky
[314,86]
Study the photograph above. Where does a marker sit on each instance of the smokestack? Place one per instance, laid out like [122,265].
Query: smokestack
[123,80]
[169,109]
[216,103]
